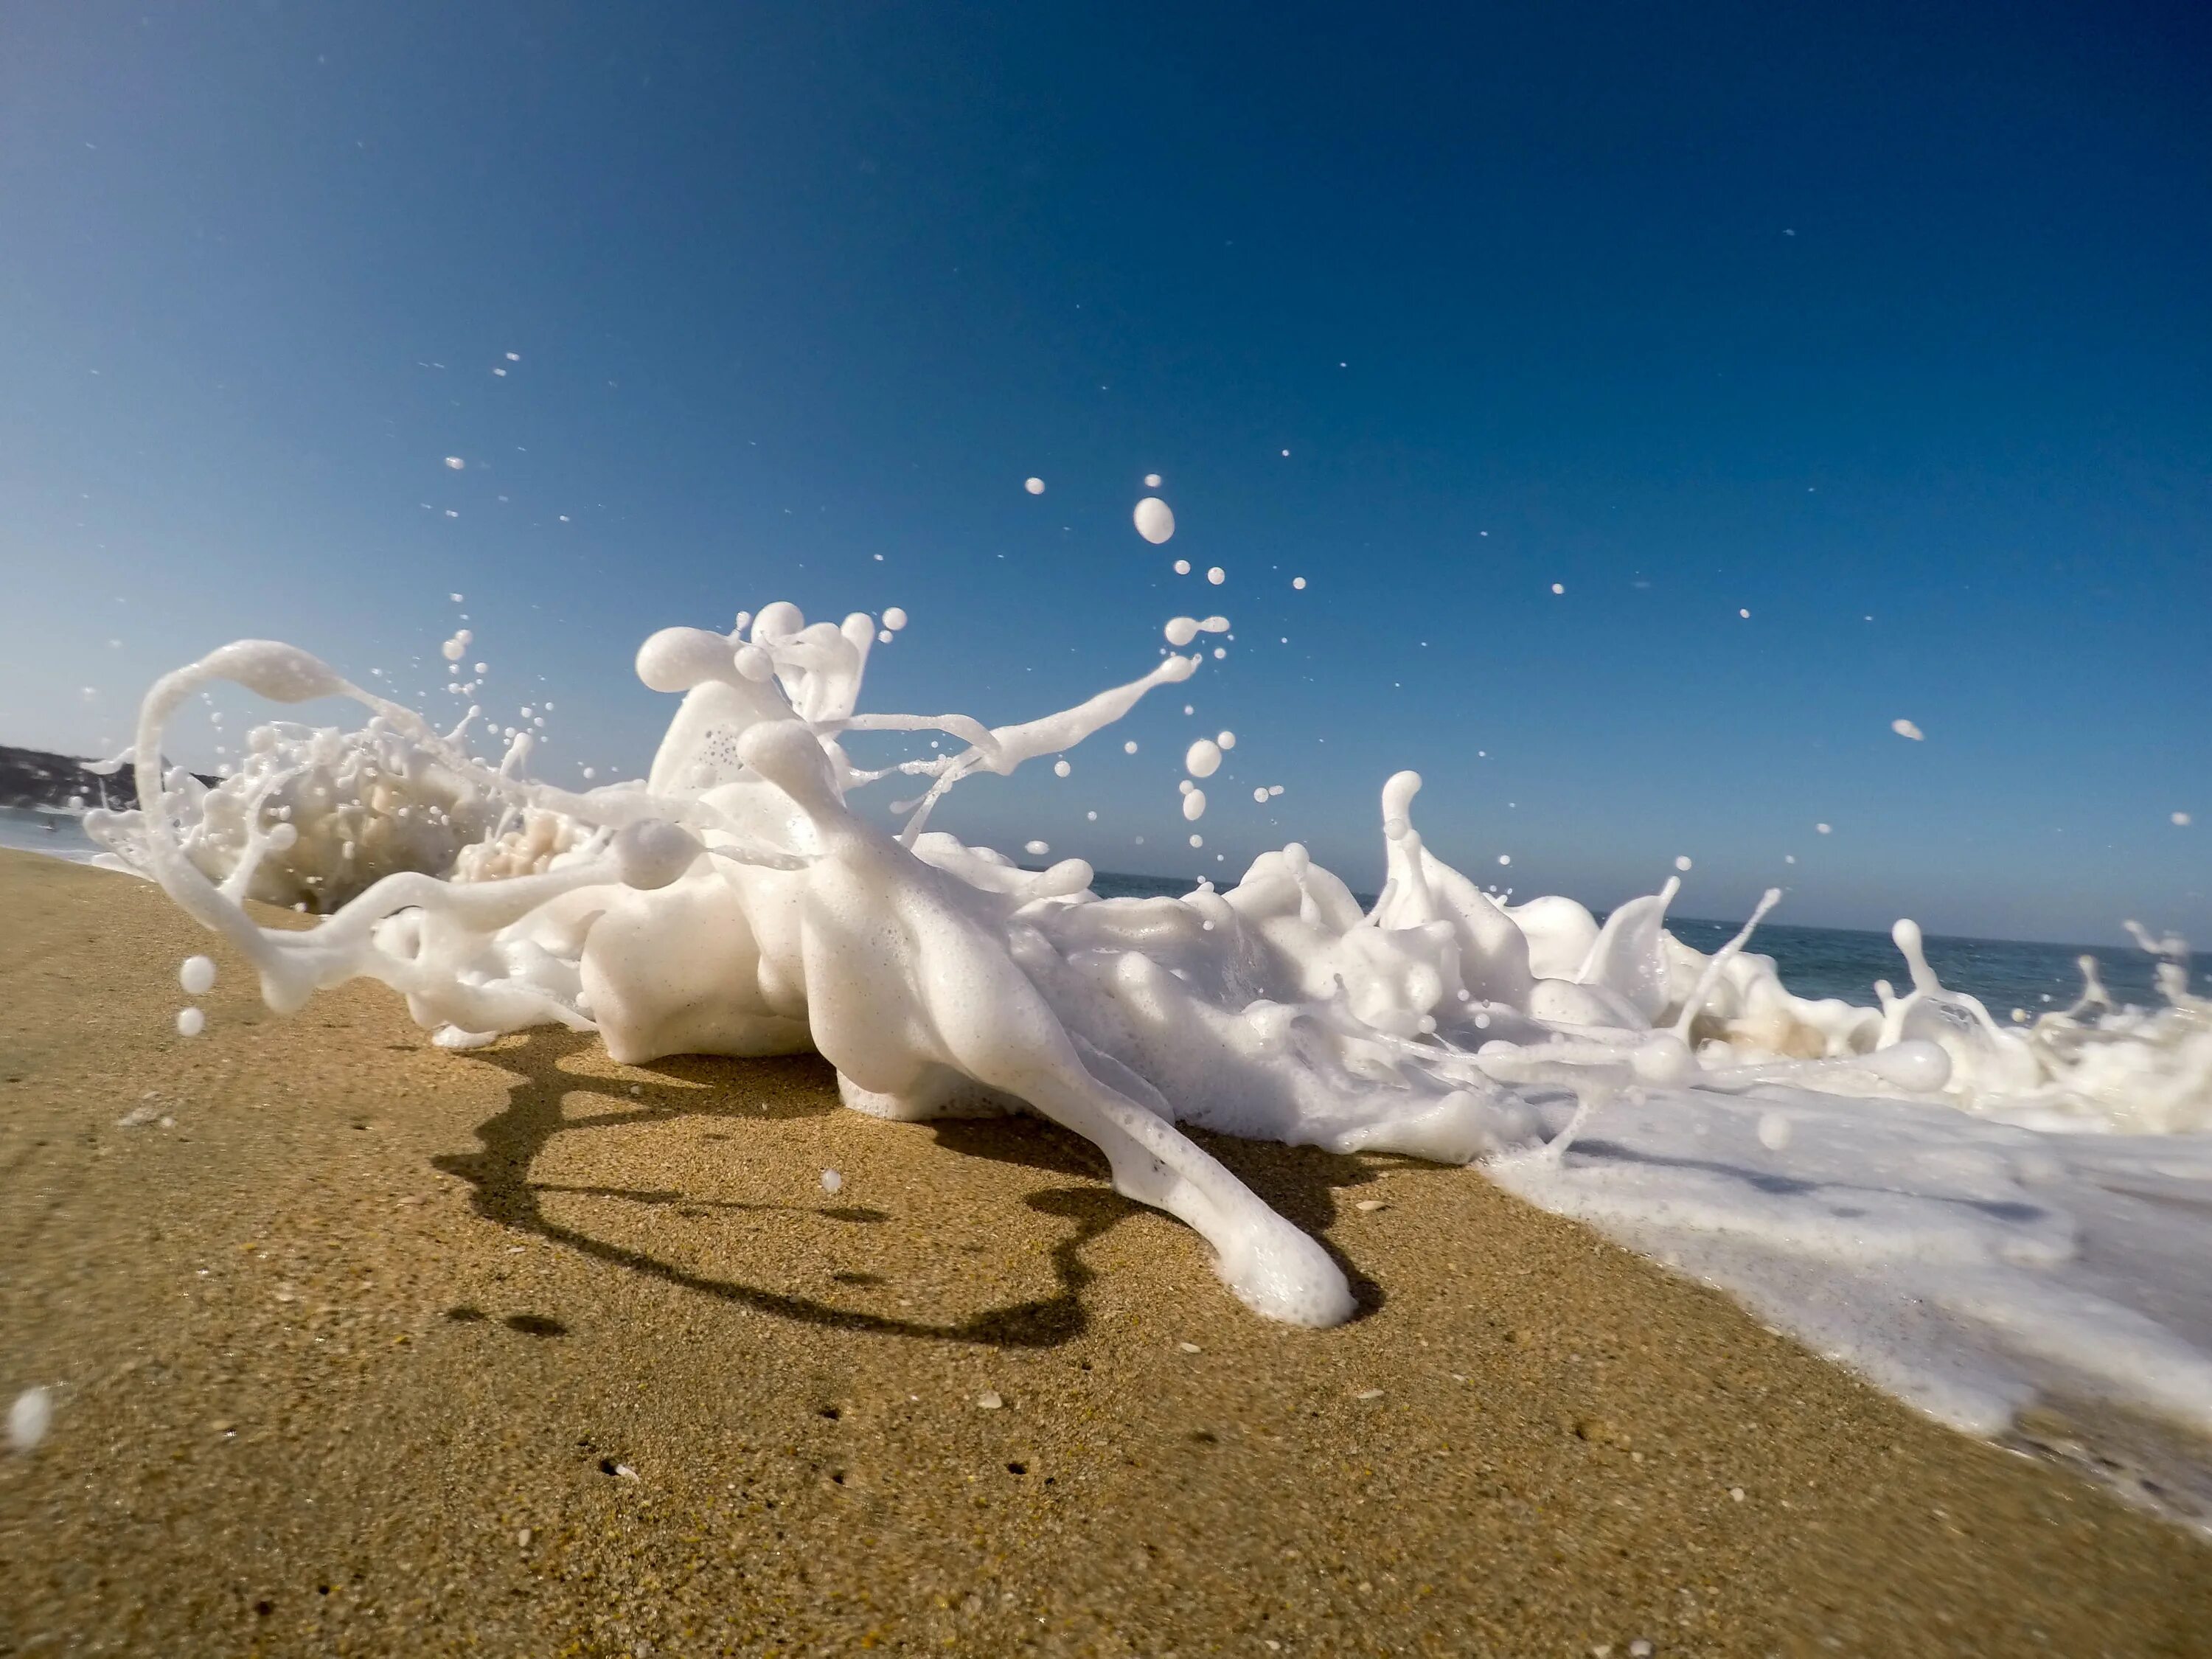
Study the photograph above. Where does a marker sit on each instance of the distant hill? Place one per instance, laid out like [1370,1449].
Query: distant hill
[32,780]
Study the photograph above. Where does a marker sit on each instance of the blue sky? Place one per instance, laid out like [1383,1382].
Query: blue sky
[1826,315]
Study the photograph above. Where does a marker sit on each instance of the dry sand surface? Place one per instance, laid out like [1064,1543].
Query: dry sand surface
[357,1347]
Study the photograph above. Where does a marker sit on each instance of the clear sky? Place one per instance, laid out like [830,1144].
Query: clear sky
[1890,326]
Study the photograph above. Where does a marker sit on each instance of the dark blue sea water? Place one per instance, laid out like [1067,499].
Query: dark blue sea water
[1845,962]
[2005,974]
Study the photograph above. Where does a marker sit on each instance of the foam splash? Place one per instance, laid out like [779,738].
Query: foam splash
[28,1419]
[734,901]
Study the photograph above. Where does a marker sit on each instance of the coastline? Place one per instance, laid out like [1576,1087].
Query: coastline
[372,1347]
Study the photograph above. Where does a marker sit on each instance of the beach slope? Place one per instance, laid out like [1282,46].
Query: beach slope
[359,1347]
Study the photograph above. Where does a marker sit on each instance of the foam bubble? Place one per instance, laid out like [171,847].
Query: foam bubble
[191,1022]
[196,976]
[1203,758]
[29,1419]
[1034,486]
[1905,728]
[1155,521]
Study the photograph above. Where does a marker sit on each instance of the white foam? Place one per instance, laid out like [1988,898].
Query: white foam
[1155,519]
[28,1419]
[1907,1186]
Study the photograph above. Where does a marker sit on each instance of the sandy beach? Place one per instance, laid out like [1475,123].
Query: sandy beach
[359,1347]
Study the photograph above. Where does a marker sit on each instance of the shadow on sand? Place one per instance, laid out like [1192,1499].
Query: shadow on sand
[1299,1182]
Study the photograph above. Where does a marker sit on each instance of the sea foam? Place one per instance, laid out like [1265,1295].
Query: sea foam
[1970,1214]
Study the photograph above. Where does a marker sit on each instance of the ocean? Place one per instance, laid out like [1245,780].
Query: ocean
[1845,962]
[57,833]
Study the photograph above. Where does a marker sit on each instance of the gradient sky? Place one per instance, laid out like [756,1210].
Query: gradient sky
[1890,326]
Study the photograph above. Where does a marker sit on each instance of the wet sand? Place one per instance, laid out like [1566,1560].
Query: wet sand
[357,1347]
